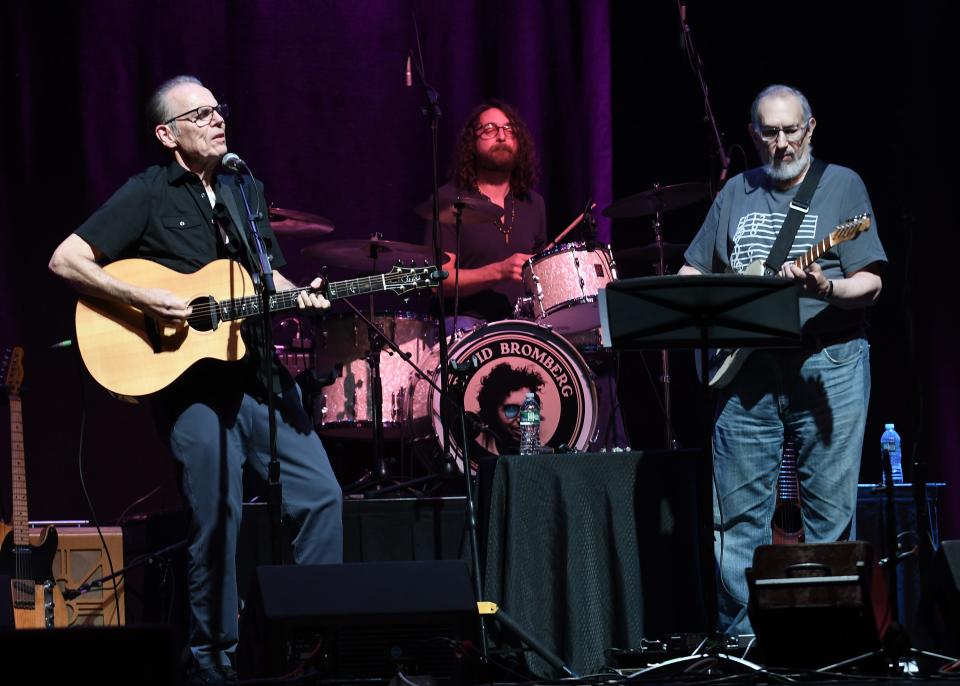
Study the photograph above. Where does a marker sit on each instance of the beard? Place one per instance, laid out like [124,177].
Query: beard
[787,171]
[497,159]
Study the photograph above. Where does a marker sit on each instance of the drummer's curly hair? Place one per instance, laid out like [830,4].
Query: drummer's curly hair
[464,169]
[498,384]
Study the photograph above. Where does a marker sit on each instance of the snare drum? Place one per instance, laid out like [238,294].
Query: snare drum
[563,284]
[345,407]
[514,357]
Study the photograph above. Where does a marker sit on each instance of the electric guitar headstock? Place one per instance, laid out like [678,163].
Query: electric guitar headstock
[850,229]
[402,280]
[11,369]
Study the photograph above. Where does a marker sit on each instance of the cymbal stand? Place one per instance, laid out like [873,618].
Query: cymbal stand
[669,440]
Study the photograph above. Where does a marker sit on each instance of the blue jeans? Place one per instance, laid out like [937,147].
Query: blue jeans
[821,398]
[213,440]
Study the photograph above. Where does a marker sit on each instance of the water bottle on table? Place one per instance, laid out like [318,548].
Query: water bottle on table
[530,426]
[890,442]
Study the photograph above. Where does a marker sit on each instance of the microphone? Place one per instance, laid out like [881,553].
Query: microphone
[233,162]
[409,72]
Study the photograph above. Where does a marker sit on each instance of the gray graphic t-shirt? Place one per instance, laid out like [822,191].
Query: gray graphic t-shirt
[746,217]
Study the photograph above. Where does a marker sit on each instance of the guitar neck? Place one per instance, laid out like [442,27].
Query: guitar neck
[814,253]
[240,308]
[788,488]
[21,531]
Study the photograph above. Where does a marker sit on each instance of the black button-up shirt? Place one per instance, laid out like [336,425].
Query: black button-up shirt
[164,215]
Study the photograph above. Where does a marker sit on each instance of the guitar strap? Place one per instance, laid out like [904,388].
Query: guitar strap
[799,207]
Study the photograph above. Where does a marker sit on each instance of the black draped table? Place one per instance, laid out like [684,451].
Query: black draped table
[599,550]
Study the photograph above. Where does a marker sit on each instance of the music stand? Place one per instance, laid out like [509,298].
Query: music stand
[701,312]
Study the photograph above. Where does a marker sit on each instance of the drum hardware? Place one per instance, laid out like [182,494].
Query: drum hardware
[470,208]
[357,253]
[657,199]
[654,202]
[294,224]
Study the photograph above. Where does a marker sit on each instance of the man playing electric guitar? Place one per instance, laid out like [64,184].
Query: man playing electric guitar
[818,393]
[184,216]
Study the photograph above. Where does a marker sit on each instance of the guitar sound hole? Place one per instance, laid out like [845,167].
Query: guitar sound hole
[204,316]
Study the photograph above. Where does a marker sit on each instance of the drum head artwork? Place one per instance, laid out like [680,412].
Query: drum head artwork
[513,358]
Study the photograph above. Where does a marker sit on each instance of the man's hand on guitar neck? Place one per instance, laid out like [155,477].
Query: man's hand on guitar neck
[306,300]
[813,280]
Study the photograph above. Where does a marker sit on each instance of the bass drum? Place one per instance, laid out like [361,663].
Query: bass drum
[513,357]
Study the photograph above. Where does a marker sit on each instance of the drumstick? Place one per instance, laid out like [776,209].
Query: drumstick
[570,228]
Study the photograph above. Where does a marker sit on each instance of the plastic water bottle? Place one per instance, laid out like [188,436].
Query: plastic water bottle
[890,441]
[530,426]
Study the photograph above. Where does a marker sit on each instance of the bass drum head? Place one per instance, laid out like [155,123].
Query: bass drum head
[514,357]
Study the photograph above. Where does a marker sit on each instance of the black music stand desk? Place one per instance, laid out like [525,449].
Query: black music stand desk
[701,312]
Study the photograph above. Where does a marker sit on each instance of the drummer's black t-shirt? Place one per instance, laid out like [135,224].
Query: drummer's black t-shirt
[484,243]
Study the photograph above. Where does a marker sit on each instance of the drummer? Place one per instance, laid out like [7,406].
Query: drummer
[495,159]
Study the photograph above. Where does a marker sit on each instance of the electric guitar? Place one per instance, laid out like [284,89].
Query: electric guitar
[132,354]
[37,601]
[724,363]
[787,523]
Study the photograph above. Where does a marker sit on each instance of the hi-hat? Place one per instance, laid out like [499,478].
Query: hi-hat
[473,208]
[369,253]
[295,223]
[651,252]
[658,199]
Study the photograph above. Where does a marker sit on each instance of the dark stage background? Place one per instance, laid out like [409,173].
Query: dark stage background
[320,112]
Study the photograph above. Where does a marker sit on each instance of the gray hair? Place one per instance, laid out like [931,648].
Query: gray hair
[158,109]
[779,90]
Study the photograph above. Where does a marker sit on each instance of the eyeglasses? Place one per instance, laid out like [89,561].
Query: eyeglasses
[201,116]
[488,131]
[791,133]
[510,411]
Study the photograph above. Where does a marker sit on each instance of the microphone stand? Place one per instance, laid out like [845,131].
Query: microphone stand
[697,65]
[263,282]
[431,110]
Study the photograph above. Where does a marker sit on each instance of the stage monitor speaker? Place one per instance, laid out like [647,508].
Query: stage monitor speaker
[812,605]
[359,620]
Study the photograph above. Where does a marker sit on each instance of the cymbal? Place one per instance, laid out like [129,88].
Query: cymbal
[369,253]
[651,252]
[474,208]
[658,199]
[295,223]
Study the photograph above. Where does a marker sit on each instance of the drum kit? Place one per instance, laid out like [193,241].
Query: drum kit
[552,340]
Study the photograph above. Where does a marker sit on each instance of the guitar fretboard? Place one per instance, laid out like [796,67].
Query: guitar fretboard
[21,531]
[239,308]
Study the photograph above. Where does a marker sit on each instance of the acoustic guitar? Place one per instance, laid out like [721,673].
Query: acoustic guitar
[36,599]
[132,354]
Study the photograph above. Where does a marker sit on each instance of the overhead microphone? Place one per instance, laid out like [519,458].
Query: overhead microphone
[409,71]
[233,162]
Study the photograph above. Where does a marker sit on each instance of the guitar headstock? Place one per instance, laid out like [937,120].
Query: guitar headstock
[404,279]
[850,229]
[11,369]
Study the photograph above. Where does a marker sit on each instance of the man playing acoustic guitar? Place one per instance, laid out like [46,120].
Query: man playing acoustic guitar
[819,393]
[185,216]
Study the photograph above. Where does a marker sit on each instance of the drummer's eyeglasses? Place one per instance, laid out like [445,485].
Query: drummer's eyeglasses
[488,131]
[201,116]
[512,410]
[792,133]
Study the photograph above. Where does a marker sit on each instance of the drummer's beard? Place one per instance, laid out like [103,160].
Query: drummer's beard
[500,158]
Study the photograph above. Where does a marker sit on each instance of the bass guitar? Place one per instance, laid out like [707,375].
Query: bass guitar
[132,354]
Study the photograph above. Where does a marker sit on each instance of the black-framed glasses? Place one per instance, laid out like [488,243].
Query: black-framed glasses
[488,131]
[203,115]
[792,133]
